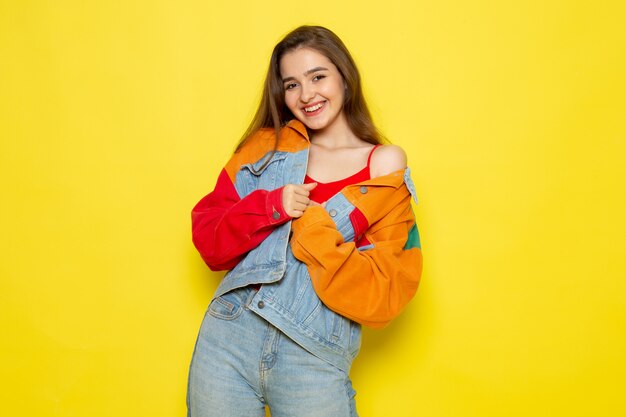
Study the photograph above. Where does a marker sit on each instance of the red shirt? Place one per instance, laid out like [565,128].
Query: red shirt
[325,190]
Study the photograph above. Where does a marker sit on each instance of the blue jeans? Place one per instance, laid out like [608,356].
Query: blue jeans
[241,363]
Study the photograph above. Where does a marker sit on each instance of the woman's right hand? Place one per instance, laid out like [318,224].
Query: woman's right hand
[296,198]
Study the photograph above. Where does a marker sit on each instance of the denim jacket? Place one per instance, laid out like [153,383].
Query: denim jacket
[317,286]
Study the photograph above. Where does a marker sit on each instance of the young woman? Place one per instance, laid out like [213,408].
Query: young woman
[312,217]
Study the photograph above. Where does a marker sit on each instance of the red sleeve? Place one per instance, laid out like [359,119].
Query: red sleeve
[225,227]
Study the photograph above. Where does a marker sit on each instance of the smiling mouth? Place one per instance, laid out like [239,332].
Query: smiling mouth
[313,108]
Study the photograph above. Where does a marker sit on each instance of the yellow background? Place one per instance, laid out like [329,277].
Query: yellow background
[116,117]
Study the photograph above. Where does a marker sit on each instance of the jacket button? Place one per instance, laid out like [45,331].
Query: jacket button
[261,304]
[332,212]
[363,189]
[276,215]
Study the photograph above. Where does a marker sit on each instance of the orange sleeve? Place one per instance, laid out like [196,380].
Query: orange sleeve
[370,286]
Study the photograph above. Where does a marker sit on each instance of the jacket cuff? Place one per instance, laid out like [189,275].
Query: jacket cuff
[274,207]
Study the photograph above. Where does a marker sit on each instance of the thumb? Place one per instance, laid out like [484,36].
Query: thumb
[309,186]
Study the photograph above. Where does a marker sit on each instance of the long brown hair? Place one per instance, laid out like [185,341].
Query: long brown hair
[273,111]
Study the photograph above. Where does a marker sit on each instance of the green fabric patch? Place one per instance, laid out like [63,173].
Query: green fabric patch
[414,239]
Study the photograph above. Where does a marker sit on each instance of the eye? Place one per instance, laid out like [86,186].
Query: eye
[290,86]
[318,77]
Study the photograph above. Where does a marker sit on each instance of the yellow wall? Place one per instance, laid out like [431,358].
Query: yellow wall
[116,116]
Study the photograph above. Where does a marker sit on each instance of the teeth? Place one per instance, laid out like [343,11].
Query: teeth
[312,108]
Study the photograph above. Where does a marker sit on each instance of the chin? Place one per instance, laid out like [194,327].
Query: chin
[314,124]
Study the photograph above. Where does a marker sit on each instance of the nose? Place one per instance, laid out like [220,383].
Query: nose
[306,93]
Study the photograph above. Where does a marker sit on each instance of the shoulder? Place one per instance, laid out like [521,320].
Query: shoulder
[251,150]
[293,138]
[260,138]
[387,159]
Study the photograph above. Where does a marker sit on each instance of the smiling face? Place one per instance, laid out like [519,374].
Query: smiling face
[314,89]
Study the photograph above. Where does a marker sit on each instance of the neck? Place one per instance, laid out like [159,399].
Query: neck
[337,135]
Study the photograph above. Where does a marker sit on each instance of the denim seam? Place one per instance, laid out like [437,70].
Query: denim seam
[335,348]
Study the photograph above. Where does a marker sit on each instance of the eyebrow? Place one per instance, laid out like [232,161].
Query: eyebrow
[308,72]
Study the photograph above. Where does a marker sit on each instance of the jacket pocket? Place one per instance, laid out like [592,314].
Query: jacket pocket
[226,307]
[257,168]
[261,176]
